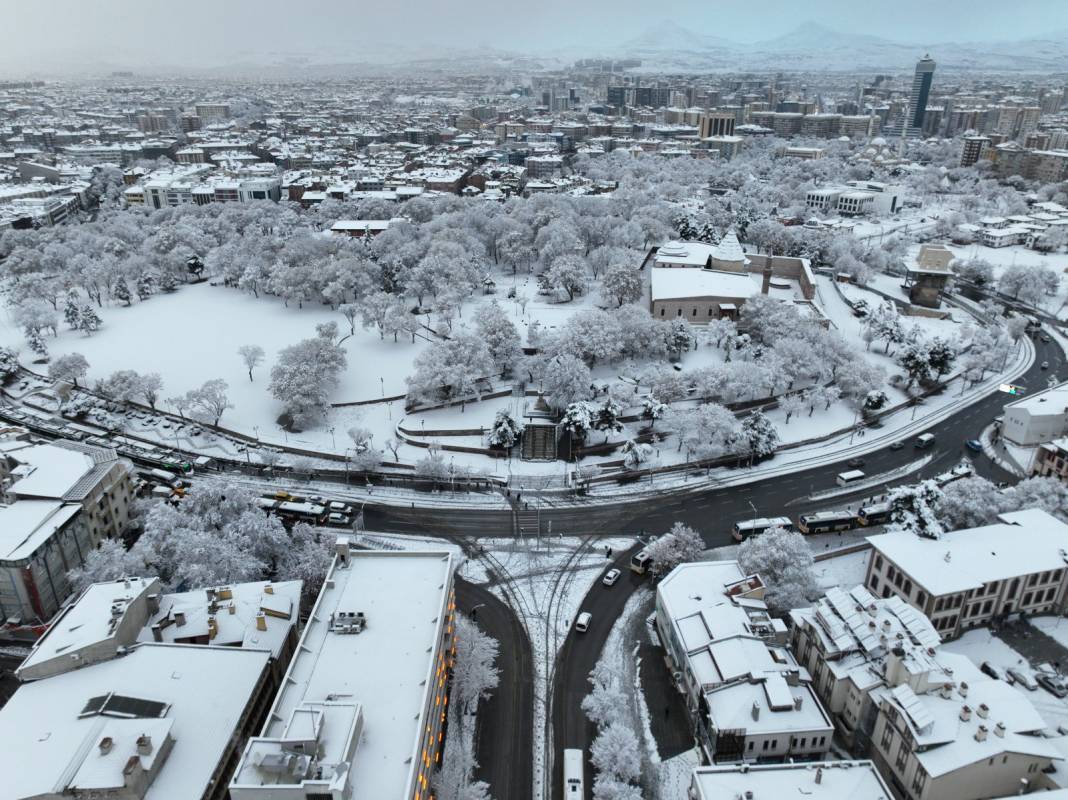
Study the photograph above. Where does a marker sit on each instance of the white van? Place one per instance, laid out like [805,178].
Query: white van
[924,440]
[582,623]
[852,476]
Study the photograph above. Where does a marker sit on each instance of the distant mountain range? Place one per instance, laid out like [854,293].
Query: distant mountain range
[811,46]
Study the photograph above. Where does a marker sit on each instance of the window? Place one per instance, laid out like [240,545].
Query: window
[902,754]
[921,597]
[678,313]
[919,780]
[662,312]
[878,563]
[765,747]
[874,584]
[1027,599]
[750,746]
[989,604]
[694,314]
[774,743]
[888,738]
[908,586]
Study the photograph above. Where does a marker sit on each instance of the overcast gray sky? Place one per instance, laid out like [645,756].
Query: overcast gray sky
[37,34]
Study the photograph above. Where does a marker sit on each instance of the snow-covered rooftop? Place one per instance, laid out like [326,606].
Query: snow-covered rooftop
[697,254]
[196,695]
[831,780]
[1052,401]
[27,524]
[379,677]
[235,613]
[674,284]
[46,470]
[93,619]
[1023,543]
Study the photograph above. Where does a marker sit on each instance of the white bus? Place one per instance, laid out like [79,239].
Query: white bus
[754,527]
[852,476]
[574,782]
[827,521]
[640,562]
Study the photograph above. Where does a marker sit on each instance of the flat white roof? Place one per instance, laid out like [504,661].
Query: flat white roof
[1048,402]
[837,780]
[50,471]
[387,669]
[1023,543]
[47,746]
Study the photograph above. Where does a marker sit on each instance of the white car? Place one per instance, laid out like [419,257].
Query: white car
[582,622]
[611,577]
[339,519]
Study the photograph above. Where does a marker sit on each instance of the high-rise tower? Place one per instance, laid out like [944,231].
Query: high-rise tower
[921,90]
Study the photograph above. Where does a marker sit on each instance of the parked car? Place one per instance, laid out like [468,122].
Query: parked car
[611,577]
[1045,338]
[339,519]
[343,508]
[994,671]
[1053,684]
[855,463]
[897,445]
[1024,678]
[582,622]
[975,445]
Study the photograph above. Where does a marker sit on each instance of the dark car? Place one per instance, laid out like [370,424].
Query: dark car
[992,670]
[855,463]
[974,445]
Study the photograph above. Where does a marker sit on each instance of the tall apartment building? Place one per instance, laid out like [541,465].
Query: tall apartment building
[362,707]
[747,697]
[717,123]
[60,501]
[968,578]
[213,111]
[973,149]
[918,96]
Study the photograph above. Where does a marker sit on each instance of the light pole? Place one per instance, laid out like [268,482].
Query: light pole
[285,433]
[333,442]
[382,382]
[750,502]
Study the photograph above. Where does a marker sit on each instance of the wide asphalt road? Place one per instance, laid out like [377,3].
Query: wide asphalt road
[503,747]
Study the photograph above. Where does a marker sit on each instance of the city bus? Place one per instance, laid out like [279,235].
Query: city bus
[827,521]
[312,513]
[574,780]
[754,527]
[640,562]
[875,514]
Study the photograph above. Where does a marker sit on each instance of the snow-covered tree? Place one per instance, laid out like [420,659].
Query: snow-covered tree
[36,343]
[607,699]
[149,387]
[212,400]
[88,321]
[606,417]
[760,435]
[970,503]
[784,562]
[681,545]
[615,752]
[568,274]
[72,311]
[622,283]
[635,454]
[451,368]
[251,356]
[916,362]
[109,562]
[505,432]
[121,292]
[122,385]
[792,404]
[499,333]
[564,379]
[71,367]
[914,508]
[577,420]
[304,375]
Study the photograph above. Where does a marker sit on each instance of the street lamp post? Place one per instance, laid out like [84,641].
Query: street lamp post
[750,502]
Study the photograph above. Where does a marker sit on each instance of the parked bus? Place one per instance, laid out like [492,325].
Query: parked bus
[875,514]
[851,476]
[574,780]
[754,527]
[640,562]
[826,521]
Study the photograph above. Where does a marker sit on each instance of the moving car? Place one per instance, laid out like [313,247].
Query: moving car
[974,444]
[611,577]
[1045,365]
[337,518]
[582,623]
[855,463]
[897,445]
[924,440]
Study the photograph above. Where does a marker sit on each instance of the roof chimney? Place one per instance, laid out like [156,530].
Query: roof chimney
[261,621]
[213,627]
[965,713]
[144,745]
[179,618]
[980,733]
[983,710]
[157,633]
[268,589]
[963,688]
[797,702]
[819,774]
[999,730]
[755,711]
[105,745]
